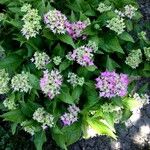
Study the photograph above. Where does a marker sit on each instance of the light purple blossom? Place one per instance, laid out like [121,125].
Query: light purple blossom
[111,84]
[75,29]
[51,83]
[84,54]
[72,116]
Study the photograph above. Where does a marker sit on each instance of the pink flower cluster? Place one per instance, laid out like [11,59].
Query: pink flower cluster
[75,29]
[84,54]
[111,84]
[72,116]
[51,83]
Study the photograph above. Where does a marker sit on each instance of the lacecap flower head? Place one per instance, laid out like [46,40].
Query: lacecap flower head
[55,21]
[102,7]
[4,80]
[116,24]
[21,83]
[51,83]
[43,117]
[84,54]
[147,53]
[72,116]
[40,60]
[57,60]
[10,104]
[111,84]
[134,58]
[129,11]
[75,80]
[31,20]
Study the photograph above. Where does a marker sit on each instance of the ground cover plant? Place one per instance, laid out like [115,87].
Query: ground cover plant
[70,67]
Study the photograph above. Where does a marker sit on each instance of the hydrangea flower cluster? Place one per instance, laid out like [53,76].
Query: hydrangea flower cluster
[31,20]
[75,80]
[147,53]
[57,60]
[134,58]
[119,13]
[142,35]
[75,29]
[51,83]
[116,24]
[10,104]
[28,127]
[129,11]
[102,7]
[84,54]
[4,80]
[43,117]
[40,60]
[111,84]
[72,116]
[55,21]
[21,83]
[143,98]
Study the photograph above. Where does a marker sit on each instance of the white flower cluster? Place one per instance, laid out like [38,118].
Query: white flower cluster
[143,98]
[74,80]
[116,24]
[147,53]
[129,11]
[134,58]
[142,35]
[102,7]
[40,59]
[20,82]
[31,20]
[10,104]
[72,116]
[43,117]
[57,60]
[55,21]
[4,80]
[28,127]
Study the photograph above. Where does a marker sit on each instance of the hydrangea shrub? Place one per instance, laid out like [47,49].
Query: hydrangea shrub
[69,67]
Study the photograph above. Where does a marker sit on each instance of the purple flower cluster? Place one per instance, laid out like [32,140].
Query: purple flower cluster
[51,83]
[75,29]
[111,84]
[72,116]
[84,54]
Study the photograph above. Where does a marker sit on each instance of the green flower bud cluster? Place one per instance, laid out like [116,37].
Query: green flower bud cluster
[74,80]
[142,35]
[93,46]
[134,58]
[57,60]
[40,60]
[4,80]
[116,24]
[31,20]
[10,104]
[102,7]
[28,127]
[147,53]
[43,117]
[20,82]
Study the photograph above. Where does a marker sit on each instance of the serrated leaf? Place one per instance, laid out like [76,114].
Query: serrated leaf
[34,81]
[76,93]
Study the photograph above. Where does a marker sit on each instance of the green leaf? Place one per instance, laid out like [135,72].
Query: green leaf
[66,39]
[34,81]
[100,127]
[39,139]
[131,103]
[13,128]
[11,62]
[65,95]
[76,93]
[58,51]
[72,133]
[91,68]
[15,116]
[126,37]
[111,64]
[64,65]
